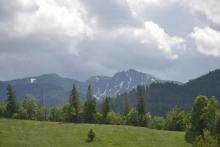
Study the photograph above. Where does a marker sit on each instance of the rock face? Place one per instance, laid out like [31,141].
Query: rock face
[121,82]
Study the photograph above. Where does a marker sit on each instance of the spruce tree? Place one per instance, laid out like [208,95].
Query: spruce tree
[90,106]
[126,105]
[89,94]
[12,106]
[74,100]
[71,110]
[140,106]
[105,107]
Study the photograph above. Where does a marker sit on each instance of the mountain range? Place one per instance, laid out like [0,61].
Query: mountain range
[55,89]
[160,95]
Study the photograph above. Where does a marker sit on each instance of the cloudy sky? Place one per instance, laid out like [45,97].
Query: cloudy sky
[172,39]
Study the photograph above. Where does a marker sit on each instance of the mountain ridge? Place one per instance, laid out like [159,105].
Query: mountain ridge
[161,95]
[57,87]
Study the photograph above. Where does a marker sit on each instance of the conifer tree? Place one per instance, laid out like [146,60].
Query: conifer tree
[105,107]
[71,110]
[140,106]
[74,100]
[90,106]
[12,105]
[126,105]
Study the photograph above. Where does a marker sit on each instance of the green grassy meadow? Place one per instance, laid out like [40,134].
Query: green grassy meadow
[23,133]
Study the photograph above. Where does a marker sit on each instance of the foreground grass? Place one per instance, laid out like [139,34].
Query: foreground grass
[20,133]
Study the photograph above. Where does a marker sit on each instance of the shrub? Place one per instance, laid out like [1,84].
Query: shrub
[3,109]
[157,123]
[175,120]
[114,119]
[132,117]
[56,114]
[144,120]
[206,140]
[91,136]
[42,113]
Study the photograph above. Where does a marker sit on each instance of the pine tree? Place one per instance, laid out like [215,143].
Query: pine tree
[140,106]
[12,106]
[126,105]
[74,100]
[89,94]
[90,106]
[105,107]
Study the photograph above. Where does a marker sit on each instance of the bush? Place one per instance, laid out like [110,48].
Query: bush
[91,136]
[3,109]
[132,117]
[190,135]
[29,104]
[114,119]
[175,120]
[144,120]
[42,113]
[56,114]
[206,140]
[70,113]
[157,123]
[22,113]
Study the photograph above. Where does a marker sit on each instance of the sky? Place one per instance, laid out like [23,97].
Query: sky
[172,40]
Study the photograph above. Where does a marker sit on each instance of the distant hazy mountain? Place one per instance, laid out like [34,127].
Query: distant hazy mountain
[52,87]
[55,89]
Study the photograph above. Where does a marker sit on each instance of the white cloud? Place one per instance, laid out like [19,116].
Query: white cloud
[152,33]
[138,7]
[207,41]
[149,3]
[62,17]
[211,8]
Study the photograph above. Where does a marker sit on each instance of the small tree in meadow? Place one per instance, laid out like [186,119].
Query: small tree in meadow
[91,136]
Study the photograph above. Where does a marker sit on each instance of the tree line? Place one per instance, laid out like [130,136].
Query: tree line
[202,124]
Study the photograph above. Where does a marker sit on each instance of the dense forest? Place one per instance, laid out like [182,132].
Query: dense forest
[161,97]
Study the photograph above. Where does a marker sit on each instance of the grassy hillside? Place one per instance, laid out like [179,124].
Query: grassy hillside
[19,133]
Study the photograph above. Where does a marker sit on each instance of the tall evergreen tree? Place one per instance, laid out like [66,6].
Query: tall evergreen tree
[105,107]
[71,110]
[140,105]
[89,94]
[73,99]
[126,105]
[12,105]
[90,106]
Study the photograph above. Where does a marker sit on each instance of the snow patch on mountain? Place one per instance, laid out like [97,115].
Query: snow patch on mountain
[32,80]
[121,84]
